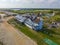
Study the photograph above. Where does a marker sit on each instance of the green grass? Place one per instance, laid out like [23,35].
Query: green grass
[31,33]
[36,36]
[1,43]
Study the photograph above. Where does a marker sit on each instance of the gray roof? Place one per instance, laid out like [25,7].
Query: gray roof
[20,18]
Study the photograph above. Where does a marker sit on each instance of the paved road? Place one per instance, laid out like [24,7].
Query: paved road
[11,36]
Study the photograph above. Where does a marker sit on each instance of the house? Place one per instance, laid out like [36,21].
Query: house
[10,13]
[32,21]
[20,18]
[49,15]
[54,25]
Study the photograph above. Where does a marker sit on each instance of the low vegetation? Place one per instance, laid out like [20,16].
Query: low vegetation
[36,36]
[29,32]
[1,43]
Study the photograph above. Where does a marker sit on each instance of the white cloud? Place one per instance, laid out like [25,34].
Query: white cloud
[38,1]
[28,3]
[51,1]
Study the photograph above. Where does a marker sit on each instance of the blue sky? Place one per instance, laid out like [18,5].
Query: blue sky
[29,3]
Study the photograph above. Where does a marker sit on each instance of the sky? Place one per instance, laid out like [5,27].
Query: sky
[29,3]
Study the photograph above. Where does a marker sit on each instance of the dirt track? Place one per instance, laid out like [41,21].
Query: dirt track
[11,36]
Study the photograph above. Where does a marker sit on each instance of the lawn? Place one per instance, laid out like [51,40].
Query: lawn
[52,34]
[34,35]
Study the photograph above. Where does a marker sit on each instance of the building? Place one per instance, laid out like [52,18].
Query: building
[10,13]
[32,21]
